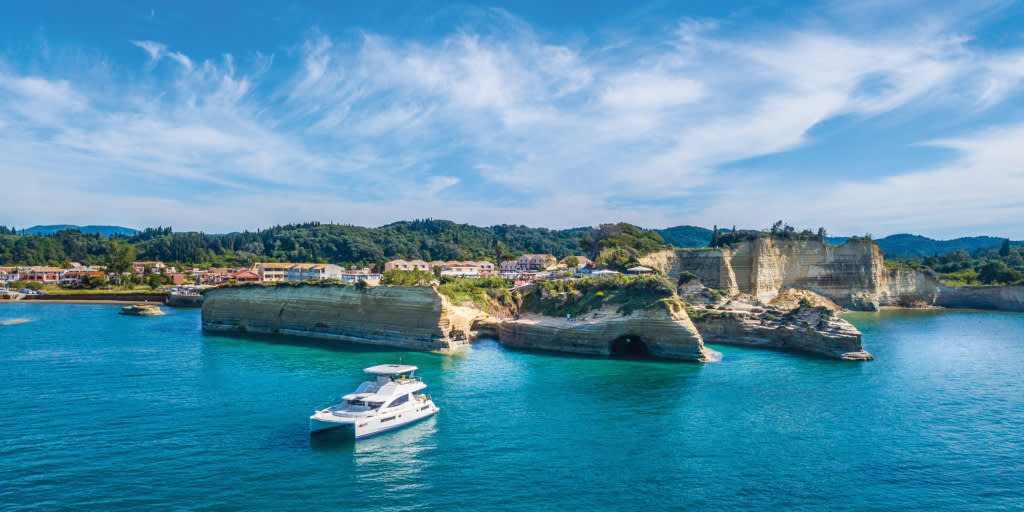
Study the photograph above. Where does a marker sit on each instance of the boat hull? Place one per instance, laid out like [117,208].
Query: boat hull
[362,428]
[316,425]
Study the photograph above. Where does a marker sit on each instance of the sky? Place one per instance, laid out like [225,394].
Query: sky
[875,117]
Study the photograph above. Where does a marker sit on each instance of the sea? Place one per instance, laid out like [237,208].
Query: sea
[100,411]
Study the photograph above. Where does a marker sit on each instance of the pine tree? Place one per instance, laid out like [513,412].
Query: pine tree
[1004,251]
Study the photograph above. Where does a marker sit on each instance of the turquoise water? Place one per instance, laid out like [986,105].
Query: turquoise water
[106,412]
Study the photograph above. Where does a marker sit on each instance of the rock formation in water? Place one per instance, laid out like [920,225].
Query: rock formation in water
[420,318]
[409,317]
[806,328]
[664,331]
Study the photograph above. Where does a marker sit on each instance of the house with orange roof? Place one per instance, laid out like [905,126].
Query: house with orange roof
[245,276]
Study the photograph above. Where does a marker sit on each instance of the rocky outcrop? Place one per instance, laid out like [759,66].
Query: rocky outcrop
[417,318]
[664,331]
[999,298]
[816,330]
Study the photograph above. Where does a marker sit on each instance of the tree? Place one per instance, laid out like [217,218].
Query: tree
[994,272]
[571,261]
[1004,251]
[587,244]
[154,280]
[120,258]
[94,281]
[822,234]
[777,227]
[499,251]
[715,239]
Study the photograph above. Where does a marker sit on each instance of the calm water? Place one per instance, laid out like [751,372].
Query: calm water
[106,412]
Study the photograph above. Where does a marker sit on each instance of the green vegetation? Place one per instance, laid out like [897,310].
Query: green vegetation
[997,266]
[778,230]
[571,261]
[575,297]
[407,278]
[618,246]
[911,246]
[314,242]
[29,285]
[685,277]
[686,236]
[490,294]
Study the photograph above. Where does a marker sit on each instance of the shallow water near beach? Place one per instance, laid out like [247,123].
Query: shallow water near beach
[108,412]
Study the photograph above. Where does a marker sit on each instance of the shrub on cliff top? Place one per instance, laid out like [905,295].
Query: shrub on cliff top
[685,277]
[488,293]
[574,297]
[396,277]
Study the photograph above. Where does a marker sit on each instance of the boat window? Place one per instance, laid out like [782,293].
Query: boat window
[399,401]
[374,405]
[359,403]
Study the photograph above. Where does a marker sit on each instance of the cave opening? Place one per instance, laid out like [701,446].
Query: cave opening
[629,345]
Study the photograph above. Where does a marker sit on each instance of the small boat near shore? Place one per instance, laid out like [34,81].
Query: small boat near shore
[142,309]
[387,403]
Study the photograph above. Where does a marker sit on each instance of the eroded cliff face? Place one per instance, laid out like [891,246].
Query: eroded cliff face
[853,274]
[409,317]
[665,331]
[422,319]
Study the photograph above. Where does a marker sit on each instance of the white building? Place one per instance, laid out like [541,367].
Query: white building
[353,275]
[314,272]
[272,271]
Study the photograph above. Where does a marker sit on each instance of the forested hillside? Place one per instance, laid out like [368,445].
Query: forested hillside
[903,245]
[423,239]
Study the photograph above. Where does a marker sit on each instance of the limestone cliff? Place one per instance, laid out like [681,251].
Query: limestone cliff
[763,266]
[420,318]
[853,275]
[664,331]
[409,317]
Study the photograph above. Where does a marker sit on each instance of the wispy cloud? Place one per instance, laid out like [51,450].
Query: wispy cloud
[497,123]
[154,49]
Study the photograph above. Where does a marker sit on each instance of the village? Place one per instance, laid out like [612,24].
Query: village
[157,275]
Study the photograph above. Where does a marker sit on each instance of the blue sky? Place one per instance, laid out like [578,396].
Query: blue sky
[864,117]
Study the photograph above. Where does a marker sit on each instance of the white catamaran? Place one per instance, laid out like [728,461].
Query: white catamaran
[386,403]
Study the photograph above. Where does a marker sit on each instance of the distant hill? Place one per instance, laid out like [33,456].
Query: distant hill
[905,245]
[103,230]
[686,236]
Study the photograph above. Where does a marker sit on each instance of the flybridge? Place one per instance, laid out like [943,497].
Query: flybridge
[390,369]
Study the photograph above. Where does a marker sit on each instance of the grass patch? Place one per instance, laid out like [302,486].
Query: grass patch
[488,293]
